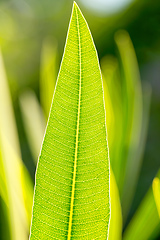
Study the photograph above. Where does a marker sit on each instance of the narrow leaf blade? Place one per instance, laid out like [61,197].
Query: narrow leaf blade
[47,74]
[156,192]
[145,223]
[12,167]
[34,122]
[72,180]
[115,229]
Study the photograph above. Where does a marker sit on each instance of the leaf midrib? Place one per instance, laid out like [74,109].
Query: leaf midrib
[77,135]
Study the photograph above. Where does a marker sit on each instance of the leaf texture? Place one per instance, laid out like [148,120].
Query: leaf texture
[72,181]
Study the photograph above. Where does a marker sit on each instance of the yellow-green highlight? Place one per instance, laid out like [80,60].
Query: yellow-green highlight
[48,71]
[156,192]
[115,229]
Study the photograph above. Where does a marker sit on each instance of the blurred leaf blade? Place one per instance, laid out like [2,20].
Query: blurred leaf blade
[135,166]
[80,110]
[34,121]
[109,113]
[136,114]
[113,106]
[27,188]
[11,164]
[17,212]
[132,100]
[145,222]
[48,74]
[115,229]
[156,192]
[3,186]
[7,120]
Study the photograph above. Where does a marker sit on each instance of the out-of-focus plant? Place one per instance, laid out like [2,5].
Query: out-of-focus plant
[145,223]
[48,74]
[35,115]
[34,122]
[127,107]
[156,192]
[16,188]
[116,212]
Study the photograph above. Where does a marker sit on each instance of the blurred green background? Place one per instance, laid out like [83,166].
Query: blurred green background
[32,38]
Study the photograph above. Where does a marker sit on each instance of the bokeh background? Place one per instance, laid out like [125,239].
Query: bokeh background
[32,37]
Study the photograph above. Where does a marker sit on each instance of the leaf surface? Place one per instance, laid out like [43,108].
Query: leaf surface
[72,180]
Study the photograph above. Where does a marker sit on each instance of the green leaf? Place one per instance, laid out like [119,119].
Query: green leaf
[18,185]
[132,114]
[156,192]
[127,108]
[113,105]
[47,74]
[145,223]
[72,181]
[34,122]
[12,170]
[110,120]
[116,212]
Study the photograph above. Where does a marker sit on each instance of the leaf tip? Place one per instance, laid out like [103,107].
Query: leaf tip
[75,5]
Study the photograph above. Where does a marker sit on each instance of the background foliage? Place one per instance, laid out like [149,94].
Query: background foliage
[32,35]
